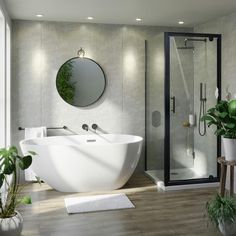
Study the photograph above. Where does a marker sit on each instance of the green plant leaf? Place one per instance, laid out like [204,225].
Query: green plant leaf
[8,168]
[211,110]
[207,117]
[13,150]
[210,123]
[230,125]
[3,152]
[219,132]
[65,87]
[222,106]
[26,200]
[9,162]
[1,180]
[223,114]
[221,209]
[222,119]
[25,162]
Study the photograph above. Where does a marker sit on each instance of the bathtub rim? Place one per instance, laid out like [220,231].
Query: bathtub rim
[138,139]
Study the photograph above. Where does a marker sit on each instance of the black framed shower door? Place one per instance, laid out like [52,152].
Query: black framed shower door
[167,100]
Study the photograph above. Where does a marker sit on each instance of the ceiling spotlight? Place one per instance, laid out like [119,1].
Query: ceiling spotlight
[90,18]
[39,15]
[138,19]
[181,22]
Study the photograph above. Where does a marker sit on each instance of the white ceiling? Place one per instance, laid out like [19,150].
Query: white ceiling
[153,12]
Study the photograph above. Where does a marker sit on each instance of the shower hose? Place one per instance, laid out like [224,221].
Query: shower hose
[202,112]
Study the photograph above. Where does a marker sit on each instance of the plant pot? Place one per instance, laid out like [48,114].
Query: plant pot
[230,149]
[11,226]
[227,229]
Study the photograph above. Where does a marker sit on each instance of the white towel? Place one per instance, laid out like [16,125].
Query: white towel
[36,132]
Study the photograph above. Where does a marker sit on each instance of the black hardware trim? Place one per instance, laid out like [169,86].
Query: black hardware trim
[167,180]
[64,127]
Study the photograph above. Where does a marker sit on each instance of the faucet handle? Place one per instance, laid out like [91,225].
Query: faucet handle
[85,127]
[94,126]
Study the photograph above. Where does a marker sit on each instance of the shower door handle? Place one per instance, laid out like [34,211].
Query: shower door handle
[173,104]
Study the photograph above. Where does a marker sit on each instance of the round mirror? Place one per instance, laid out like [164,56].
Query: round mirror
[80,81]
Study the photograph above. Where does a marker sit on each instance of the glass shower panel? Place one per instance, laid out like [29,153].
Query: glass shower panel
[193,80]
[155,116]
[2,82]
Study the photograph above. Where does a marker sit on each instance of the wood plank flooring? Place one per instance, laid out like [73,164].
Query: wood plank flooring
[173,213]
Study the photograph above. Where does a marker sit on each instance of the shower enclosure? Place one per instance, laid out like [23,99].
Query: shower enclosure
[183,80]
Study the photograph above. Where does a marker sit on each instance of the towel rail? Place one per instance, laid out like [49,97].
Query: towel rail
[63,127]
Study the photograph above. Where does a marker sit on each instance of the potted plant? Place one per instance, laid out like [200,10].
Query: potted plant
[223,116]
[221,211]
[11,162]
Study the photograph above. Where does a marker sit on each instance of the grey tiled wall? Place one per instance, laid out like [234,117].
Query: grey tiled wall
[40,48]
[226,26]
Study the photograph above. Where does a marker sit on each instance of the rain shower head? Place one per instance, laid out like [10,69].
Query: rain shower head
[193,40]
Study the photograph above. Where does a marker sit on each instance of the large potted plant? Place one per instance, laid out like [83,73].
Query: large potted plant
[223,116]
[11,162]
[221,212]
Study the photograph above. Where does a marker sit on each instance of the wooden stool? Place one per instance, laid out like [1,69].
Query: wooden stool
[223,174]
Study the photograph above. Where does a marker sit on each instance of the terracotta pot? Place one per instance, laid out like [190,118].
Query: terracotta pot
[230,149]
[11,226]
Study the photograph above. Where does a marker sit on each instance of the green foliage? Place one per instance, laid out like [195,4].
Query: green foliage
[221,117]
[221,210]
[26,200]
[10,163]
[65,88]
[232,107]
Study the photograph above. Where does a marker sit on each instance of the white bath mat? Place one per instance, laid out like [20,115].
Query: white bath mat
[98,203]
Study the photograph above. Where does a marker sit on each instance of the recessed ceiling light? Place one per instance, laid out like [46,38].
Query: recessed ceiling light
[181,22]
[90,18]
[39,15]
[138,19]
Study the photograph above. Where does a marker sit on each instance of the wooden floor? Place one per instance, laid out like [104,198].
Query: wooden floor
[173,213]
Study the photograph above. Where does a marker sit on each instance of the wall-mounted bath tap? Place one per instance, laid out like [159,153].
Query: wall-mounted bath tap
[85,127]
[94,126]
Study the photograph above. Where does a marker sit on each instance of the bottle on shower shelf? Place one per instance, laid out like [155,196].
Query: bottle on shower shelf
[191,119]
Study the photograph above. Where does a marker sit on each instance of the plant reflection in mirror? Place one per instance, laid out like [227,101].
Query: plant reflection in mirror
[65,87]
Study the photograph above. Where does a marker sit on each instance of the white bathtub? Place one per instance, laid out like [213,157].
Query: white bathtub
[83,163]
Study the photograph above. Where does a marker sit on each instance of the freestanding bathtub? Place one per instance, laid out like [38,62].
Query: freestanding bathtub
[83,163]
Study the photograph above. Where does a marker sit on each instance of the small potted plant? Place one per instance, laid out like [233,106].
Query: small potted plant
[223,116]
[221,211]
[11,162]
